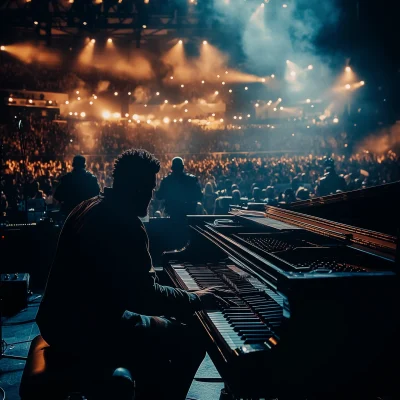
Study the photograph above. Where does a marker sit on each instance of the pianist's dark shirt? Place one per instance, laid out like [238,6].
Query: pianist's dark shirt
[103,267]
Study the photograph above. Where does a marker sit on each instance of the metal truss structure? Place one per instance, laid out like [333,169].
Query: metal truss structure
[137,20]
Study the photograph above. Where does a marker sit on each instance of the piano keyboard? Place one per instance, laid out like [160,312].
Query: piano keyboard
[254,323]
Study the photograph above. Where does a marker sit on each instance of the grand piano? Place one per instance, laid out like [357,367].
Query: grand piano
[316,309]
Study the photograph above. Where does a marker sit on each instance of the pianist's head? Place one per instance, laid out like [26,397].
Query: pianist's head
[134,181]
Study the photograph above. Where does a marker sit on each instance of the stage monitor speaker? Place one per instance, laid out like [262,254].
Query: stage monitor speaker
[14,289]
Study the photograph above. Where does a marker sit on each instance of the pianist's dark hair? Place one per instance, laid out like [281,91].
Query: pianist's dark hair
[132,165]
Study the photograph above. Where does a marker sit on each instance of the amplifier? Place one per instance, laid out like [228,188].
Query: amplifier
[14,292]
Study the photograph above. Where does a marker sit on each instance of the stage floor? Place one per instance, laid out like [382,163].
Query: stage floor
[19,330]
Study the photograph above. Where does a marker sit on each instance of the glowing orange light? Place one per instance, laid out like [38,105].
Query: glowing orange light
[180,41]
[83,114]
[109,40]
[115,93]
[93,40]
[205,42]
[2,48]
[347,69]
[216,92]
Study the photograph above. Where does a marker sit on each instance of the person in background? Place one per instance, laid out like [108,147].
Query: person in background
[76,186]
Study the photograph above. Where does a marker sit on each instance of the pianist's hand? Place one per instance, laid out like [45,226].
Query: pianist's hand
[211,298]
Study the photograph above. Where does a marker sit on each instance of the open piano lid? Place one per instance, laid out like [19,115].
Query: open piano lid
[374,208]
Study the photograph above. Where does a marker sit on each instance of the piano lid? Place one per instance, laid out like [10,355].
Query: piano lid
[373,208]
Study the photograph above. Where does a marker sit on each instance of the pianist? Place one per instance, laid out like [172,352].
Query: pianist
[102,298]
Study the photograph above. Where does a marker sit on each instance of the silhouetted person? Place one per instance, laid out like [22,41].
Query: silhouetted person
[330,183]
[180,191]
[102,298]
[76,186]
[270,196]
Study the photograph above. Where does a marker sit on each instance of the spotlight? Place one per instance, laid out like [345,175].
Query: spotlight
[281,108]
[93,40]
[246,88]
[129,93]
[77,92]
[157,93]
[202,81]
[287,61]
[115,93]
[230,90]
[292,73]
[216,92]
[182,85]
[91,103]
[186,101]
[272,76]
[166,101]
[106,114]
[36,23]
[335,120]
[67,102]
[186,110]
[218,76]
[362,83]
[171,77]
[257,105]
[85,23]
[275,109]
[189,120]
[284,5]
[109,40]
[126,115]
[310,67]
[78,98]
[144,26]
[223,83]
[279,99]
[240,117]
[347,87]
[263,80]
[180,119]
[149,121]
[248,115]
[166,120]
[204,41]
[75,113]
[180,41]
[83,114]
[10,99]
[308,101]
[50,102]
[94,96]
[226,72]
[221,120]
[213,114]
[347,69]
[2,48]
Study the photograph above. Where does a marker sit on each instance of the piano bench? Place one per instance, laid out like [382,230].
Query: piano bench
[49,375]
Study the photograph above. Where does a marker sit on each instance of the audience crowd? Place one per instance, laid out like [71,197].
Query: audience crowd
[231,165]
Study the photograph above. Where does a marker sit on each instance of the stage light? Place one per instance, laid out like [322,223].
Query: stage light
[281,108]
[223,83]
[50,102]
[234,117]
[109,40]
[202,81]
[180,119]
[166,101]
[138,121]
[310,67]
[75,113]
[174,106]
[312,105]
[83,114]
[67,102]
[230,90]
[248,115]
[278,100]
[186,110]
[91,103]
[85,23]
[71,1]
[284,5]
[287,61]
[135,117]
[218,76]
[129,93]
[144,26]
[182,85]
[221,120]
[171,77]
[362,83]
[213,114]
[180,42]
[272,76]
[226,72]
[347,69]
[126,115]
[308,126]
[204,41]
[149,121]
[292,134]
[308,101]
[115,93]
[166,120]
[257,105]
[2,48]
[78,98]
[106,114]
[70,113]
[240,117]
[145,105]
[275,108]
[335,120]
[246,88]
[117,115]
[129,120]
[347,86]
[216,92]
[186,101]
[30,101]
[175,120]
[77,92]
[293,73]
[95,97]
[262,5]
[36,23]
[93,40]
[262,79]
